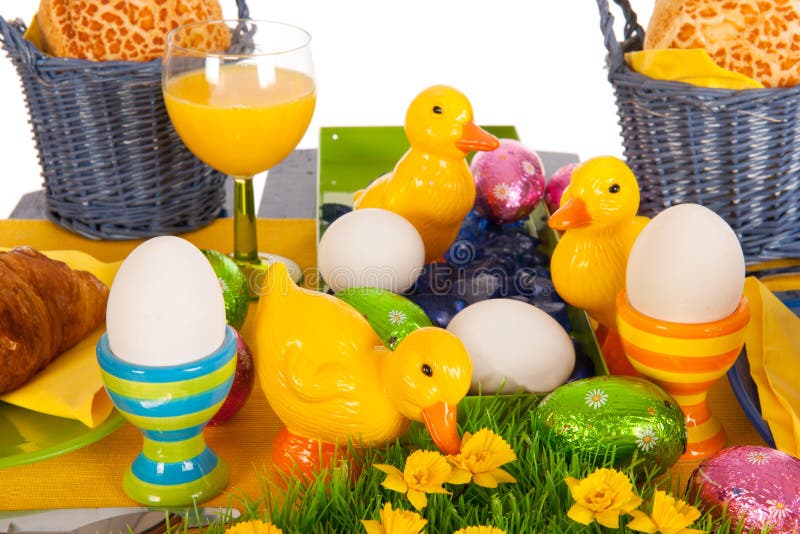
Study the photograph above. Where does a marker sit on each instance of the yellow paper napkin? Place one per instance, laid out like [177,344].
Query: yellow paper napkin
[773,352]
[71,386]
[34,33]
[693,66]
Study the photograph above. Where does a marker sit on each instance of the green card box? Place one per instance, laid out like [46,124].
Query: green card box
[351,157]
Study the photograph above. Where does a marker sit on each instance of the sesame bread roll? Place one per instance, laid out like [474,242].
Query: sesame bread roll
[757,38]
[130,30]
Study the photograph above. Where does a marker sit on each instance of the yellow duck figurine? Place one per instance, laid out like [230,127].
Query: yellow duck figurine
[598,216]
[329,378]
[431,185]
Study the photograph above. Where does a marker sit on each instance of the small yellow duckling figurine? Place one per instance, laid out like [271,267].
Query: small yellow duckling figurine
[329,378]
[598,216]
[432,186]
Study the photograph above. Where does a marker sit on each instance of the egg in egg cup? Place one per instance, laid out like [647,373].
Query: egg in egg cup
[685,360]
[171,405]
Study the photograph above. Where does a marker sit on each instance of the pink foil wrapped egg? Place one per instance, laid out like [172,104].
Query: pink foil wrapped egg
[556,184]
[759,485]
[509,182]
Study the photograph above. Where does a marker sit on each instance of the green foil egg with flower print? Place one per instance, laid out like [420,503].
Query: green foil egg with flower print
[392,316]
[614,421]
[234,287]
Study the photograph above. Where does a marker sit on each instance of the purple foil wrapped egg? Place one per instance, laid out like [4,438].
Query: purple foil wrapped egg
[509,182]
[758,485]
[556,185]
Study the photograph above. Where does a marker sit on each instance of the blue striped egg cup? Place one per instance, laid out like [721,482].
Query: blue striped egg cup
[171,406]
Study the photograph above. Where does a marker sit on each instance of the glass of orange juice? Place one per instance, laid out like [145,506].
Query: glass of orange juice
[240,94]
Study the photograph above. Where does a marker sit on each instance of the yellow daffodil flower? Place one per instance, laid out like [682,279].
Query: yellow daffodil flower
[602,496]
[253,527]
[425,472]
[669,516]
[480,459]
[395,522]
[480,530]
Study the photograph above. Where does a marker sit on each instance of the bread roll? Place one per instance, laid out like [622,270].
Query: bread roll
[132,30]
[757,38]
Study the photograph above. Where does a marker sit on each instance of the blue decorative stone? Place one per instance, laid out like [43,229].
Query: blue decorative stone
[480,284]
[533,282]
[556,309]
[437,277]
[515,245]
[463,252]
[329,212]
[500,264]
[440,308]
[486,261]
[584,366]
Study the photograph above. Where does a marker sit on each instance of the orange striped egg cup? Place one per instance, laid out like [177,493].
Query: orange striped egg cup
[685,360]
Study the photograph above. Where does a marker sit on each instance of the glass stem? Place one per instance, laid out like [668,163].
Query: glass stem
[245,237]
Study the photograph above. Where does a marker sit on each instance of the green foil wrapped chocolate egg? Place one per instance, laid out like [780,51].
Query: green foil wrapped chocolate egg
[617,417]
[234,287]
[392,316]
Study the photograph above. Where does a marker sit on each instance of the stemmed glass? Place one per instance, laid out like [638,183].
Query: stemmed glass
[240,94]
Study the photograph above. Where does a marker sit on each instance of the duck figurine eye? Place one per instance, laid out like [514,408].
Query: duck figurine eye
[614,188]
[438,110]
[426,370]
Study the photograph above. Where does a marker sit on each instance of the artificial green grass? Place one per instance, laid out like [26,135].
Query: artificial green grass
[538,502]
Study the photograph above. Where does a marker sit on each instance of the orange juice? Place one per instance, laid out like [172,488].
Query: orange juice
[237,120]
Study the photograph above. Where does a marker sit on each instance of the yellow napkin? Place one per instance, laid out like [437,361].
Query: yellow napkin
[71,385]
[34,33]
[773,352]
[693,66]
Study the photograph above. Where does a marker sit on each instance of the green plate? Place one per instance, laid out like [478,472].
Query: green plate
[351,157]
[27,437]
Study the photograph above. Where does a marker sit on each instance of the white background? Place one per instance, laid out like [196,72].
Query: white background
[535,64]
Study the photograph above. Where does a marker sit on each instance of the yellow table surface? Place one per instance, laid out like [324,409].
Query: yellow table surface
[92,476]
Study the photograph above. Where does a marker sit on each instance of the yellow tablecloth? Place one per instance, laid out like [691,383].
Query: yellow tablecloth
[92,476]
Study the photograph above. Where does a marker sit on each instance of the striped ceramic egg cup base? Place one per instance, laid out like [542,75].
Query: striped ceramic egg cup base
[171,406]
[685,360]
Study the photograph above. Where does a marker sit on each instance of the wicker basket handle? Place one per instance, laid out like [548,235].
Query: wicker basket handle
[11,37]
[633,33]
[244,11]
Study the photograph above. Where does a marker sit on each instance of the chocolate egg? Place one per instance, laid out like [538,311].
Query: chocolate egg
[613,415]
[234,287]
[556,184]
[392,316]
[758,485]
[509,182]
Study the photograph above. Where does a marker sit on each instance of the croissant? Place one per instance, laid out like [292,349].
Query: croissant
[45,309]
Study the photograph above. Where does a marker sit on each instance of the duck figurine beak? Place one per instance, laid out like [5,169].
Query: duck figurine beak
[440,420]
[474,138]
[572,214]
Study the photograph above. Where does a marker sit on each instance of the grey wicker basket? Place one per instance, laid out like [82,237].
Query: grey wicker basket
[735,152]
[112,164]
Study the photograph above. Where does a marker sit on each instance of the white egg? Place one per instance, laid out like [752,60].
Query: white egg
[686,266]
[516,343]
[165,306]
[371,247]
